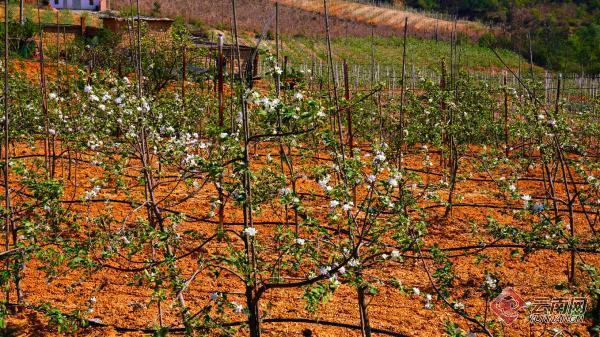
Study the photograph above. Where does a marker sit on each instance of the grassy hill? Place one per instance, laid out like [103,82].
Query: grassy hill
[421,53]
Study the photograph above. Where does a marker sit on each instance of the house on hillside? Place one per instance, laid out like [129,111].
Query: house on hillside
[89,5]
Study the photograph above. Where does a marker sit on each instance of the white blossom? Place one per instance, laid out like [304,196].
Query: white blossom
[284,191]
[323,182]
[459,306]
[321,113]
[353,263]
[325,270]
[250,231]
[526,199]
[93,193]
[334,281]
[490,282]
[237,308]
[379,158]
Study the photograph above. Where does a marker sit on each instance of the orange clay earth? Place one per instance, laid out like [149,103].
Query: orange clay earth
[120,304]
[123,305]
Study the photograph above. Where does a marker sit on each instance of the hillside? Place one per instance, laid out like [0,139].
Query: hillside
[302,31]
[304,48]
[419,24]
[306,17]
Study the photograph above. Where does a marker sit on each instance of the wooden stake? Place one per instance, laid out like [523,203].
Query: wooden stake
[220,60]
[400,147]
[183,77]
[506,139]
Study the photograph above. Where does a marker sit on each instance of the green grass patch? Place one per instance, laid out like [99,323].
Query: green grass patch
[421,53]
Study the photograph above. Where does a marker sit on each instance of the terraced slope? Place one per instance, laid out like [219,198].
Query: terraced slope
[419,24]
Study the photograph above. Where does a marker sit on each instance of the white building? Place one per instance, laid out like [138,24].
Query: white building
[90,5]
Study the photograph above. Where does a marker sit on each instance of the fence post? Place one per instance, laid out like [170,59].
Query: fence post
[82,24]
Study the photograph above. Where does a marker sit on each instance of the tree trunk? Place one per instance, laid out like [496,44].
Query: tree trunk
[253,314]
[364,313]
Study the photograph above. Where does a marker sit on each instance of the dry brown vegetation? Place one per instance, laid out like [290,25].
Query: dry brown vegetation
[419,24]
[306,18]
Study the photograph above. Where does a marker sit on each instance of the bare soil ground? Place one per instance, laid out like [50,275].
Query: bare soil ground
[125,305]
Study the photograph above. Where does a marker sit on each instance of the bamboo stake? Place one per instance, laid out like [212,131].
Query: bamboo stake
[400,147]
[277,46]
[334,80]
[7,205]
[183,76]
[220,79]
[506,139]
